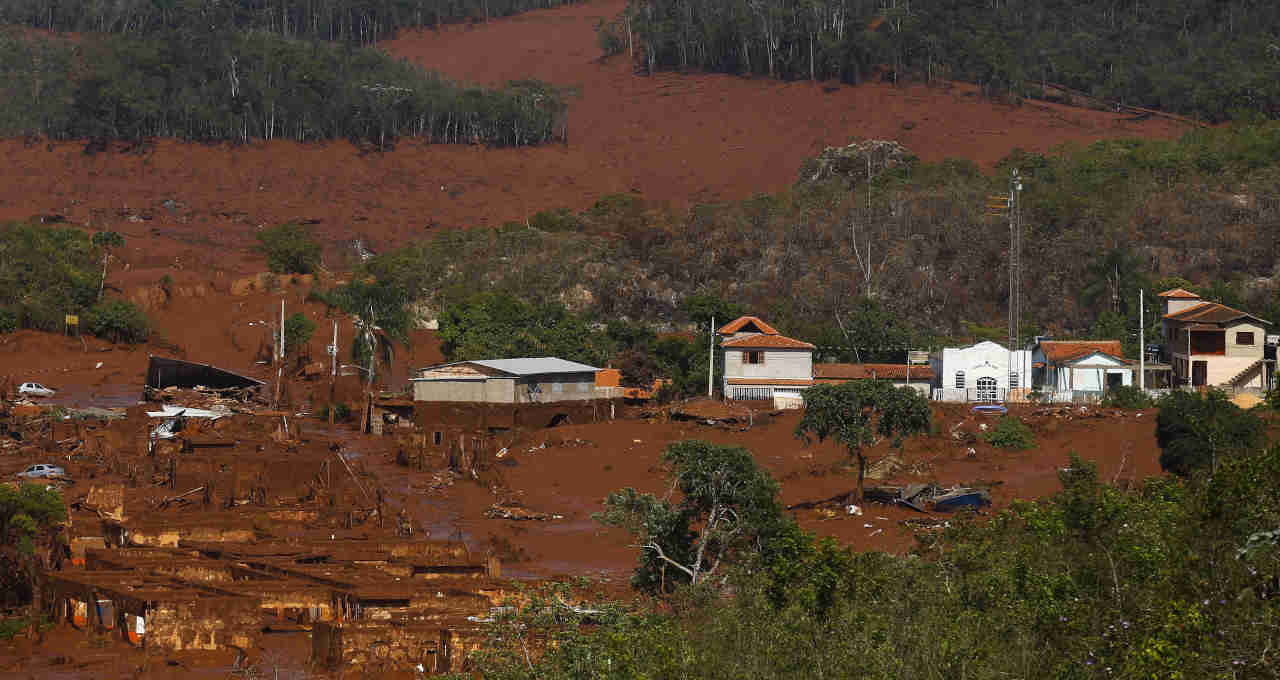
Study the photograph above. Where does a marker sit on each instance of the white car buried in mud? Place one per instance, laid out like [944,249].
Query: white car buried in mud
[30,389]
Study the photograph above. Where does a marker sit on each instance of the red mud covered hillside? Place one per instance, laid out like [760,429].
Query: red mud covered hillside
[677,138]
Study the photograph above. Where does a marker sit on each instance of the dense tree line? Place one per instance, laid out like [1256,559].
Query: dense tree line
[1203,57]
[239,86]
[355,21]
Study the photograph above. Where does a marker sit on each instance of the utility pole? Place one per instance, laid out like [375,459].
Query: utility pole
[280,355]
[333,373]
[711,357]
[1142,344]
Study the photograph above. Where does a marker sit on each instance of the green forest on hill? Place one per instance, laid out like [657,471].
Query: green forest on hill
[353,21]
[239,86]
[1205,58]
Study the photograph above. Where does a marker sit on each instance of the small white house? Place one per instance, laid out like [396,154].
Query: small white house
[760,363]
[1066,369]
[987,371]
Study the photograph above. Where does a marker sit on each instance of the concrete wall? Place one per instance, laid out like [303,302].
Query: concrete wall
[491,390]
[1173,305]
[787,364]
[403,646]
[983,360]
[1254,350]
[508,390]
[1090,376]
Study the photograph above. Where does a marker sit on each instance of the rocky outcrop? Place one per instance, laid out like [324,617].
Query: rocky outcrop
[856,162]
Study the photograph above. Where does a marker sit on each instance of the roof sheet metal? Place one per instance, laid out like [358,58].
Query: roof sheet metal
[879,371]
[1212,312]
[743,321]
[534,365]
[1066,350]
[766,342]
[1179,294]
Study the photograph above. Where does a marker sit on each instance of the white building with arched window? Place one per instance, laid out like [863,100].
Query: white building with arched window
[986,371]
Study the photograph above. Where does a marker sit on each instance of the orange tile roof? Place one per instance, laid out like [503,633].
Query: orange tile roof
[1212,312]
[761,341]
[1179,294]
[841,372]
[1066,350]
[789,382]
[741,322]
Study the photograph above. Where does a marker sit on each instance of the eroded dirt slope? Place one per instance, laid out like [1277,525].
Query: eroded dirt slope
[672,137]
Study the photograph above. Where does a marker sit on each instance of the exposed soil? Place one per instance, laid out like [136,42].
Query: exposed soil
[190,211]
[671,137]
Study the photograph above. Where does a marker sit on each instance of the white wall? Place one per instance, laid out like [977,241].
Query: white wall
[983,360]
[784,364]
[1254,350]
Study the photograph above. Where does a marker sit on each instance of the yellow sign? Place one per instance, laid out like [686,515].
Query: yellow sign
[73,320]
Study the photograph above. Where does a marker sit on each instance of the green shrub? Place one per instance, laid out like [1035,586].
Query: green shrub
[118,321]
[8,321]
[341,412]
[1127,397]
[1010,433]
[297,331]
[289,248]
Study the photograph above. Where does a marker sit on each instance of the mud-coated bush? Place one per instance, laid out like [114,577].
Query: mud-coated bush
[1010,433]
[118,321]
[289,248]
[1126,397]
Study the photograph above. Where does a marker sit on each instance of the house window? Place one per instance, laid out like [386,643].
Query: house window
[557,387]
[1013,380]
[1244,338]
[753,357]
[987,390]
[959,380]
[437,437]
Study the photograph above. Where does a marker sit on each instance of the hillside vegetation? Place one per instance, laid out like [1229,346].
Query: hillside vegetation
[1165,579]
[238,86]
[911,256]
[1206,58]
[341,20]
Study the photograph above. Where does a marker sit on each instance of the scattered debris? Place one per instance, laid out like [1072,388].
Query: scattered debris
[516,511]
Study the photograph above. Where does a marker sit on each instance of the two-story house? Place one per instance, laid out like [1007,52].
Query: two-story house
[1212,344]
[760,363]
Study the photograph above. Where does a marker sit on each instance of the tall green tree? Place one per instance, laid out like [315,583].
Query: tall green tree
[1197,432]
[861,413]
[727,513]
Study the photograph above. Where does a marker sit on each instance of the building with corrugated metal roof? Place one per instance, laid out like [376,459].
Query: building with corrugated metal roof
[532,380]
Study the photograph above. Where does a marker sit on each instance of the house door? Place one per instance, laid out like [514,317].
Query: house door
[1199,372]
[987,389]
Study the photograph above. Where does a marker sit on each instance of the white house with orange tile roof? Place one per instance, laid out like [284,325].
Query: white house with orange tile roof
[761,363]
[1068,370]
[1209,343]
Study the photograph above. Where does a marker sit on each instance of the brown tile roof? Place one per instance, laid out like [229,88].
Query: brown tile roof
[741,322]
[789,382]
[761,341]
[1179,294]
[842,372]
[1212,312]
[1066,350]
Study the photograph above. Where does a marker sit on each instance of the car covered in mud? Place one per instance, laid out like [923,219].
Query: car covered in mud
[31,389]
[41,471]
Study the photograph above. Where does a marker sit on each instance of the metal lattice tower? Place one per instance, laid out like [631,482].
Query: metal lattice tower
[1015,260]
